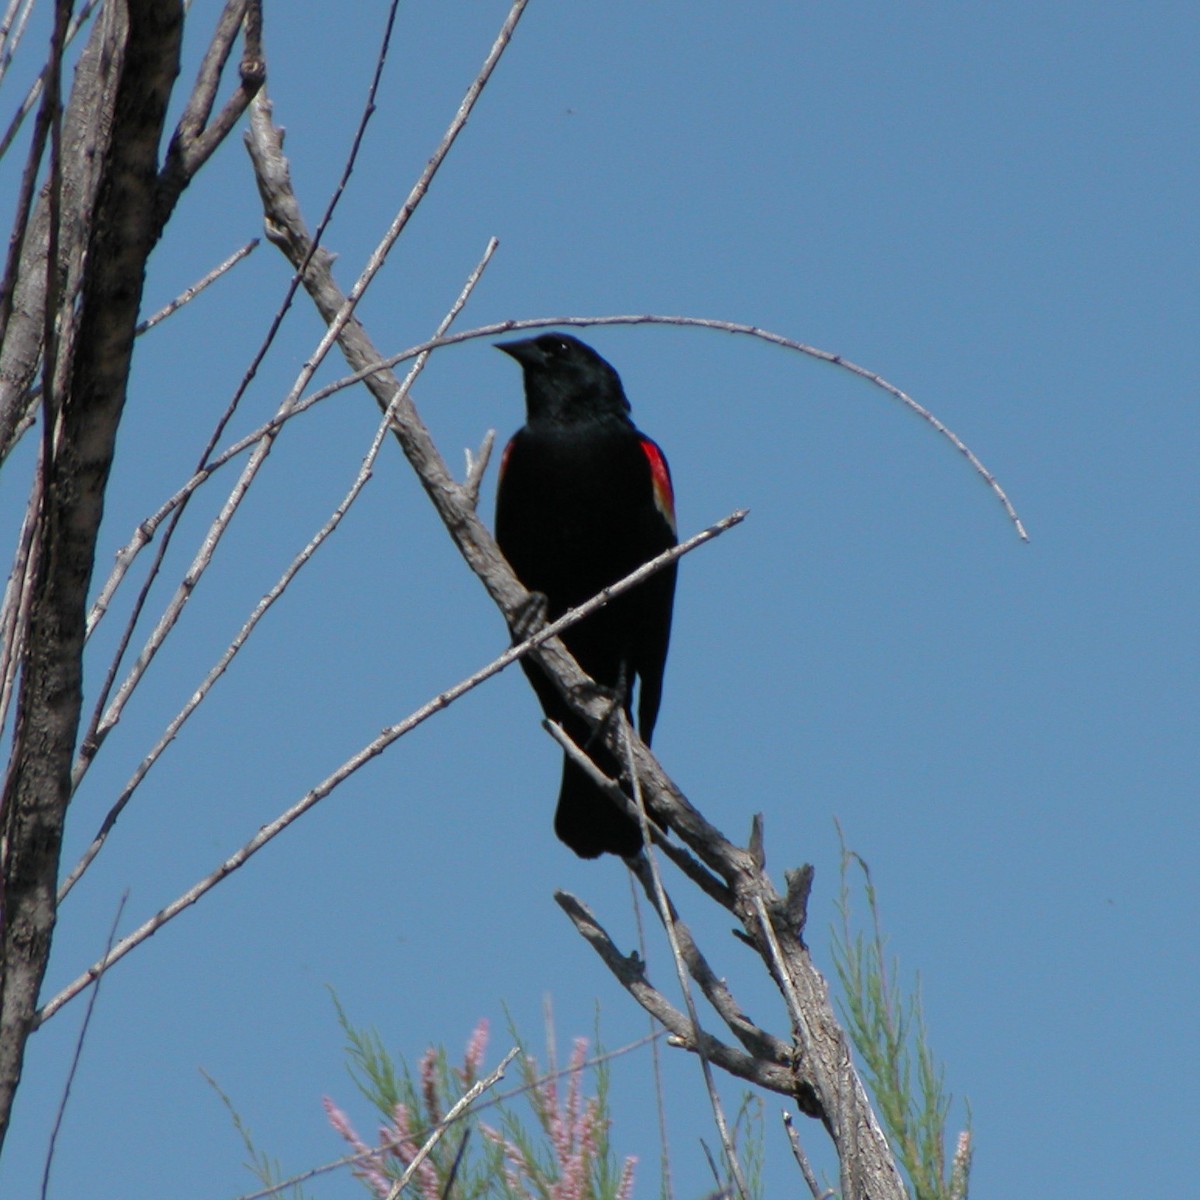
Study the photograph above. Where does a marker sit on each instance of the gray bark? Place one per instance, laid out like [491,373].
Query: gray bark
[114,203]
[87,126]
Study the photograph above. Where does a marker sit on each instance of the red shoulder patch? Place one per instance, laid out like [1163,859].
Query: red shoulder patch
[504,458]
[660,478]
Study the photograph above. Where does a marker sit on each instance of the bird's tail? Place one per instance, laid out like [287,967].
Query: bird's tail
[587,820]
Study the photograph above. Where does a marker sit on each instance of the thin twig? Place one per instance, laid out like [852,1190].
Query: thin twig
[221,665]
[387,1143]
[802,1162]
[192,292]
[367,111]
[184,297]
[35,89]
[476,1090]
[47,114]
[217,530]
[666,1188]
[722,1192]
[448,1187]
[374,748]
[260,610]
[146,530]
[803,1033]
[199,107]
[735,327]
[83,1028]
[17,14]
[667,916]
[630,973]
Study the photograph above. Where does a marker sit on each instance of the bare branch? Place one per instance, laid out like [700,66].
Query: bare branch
[631,974]
[190,293]
[83,1029]
[824,1082]
[199,106]
[195,139]
[37,788]
[12,27]
[386,1143]
[35,89]
[338,320]
[824,1079]
[735,327]
[87,128]
[218,669]
[802,1162]
[461,1106]
[531,645]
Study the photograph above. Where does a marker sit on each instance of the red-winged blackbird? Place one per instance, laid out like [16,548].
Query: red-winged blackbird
[585,498]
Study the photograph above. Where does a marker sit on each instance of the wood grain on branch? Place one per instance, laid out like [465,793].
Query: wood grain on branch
[87,129]
[81,432]
[101,215]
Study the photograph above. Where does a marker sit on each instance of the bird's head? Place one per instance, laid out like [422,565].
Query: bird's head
[566,381]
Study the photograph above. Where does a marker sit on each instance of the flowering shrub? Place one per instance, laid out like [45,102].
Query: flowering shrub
[564,1154]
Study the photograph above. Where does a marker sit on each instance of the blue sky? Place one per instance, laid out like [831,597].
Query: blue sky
[993,207]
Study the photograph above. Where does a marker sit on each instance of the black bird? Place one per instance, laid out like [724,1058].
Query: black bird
[584,498]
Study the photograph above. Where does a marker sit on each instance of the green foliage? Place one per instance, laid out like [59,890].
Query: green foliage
[748,1139]
[888,1031]
[264,1168]
[563,1153]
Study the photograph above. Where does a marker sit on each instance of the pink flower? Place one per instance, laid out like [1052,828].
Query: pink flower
[625,1187]
[369,1169]
[473,1058]
[429,1086]
[403,1145]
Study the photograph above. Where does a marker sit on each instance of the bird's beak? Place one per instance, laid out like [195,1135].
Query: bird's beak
[524,350]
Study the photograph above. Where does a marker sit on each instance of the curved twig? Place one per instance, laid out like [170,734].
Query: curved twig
[720,326]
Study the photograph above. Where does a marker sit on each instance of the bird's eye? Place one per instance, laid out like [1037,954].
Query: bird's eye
[554,344]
